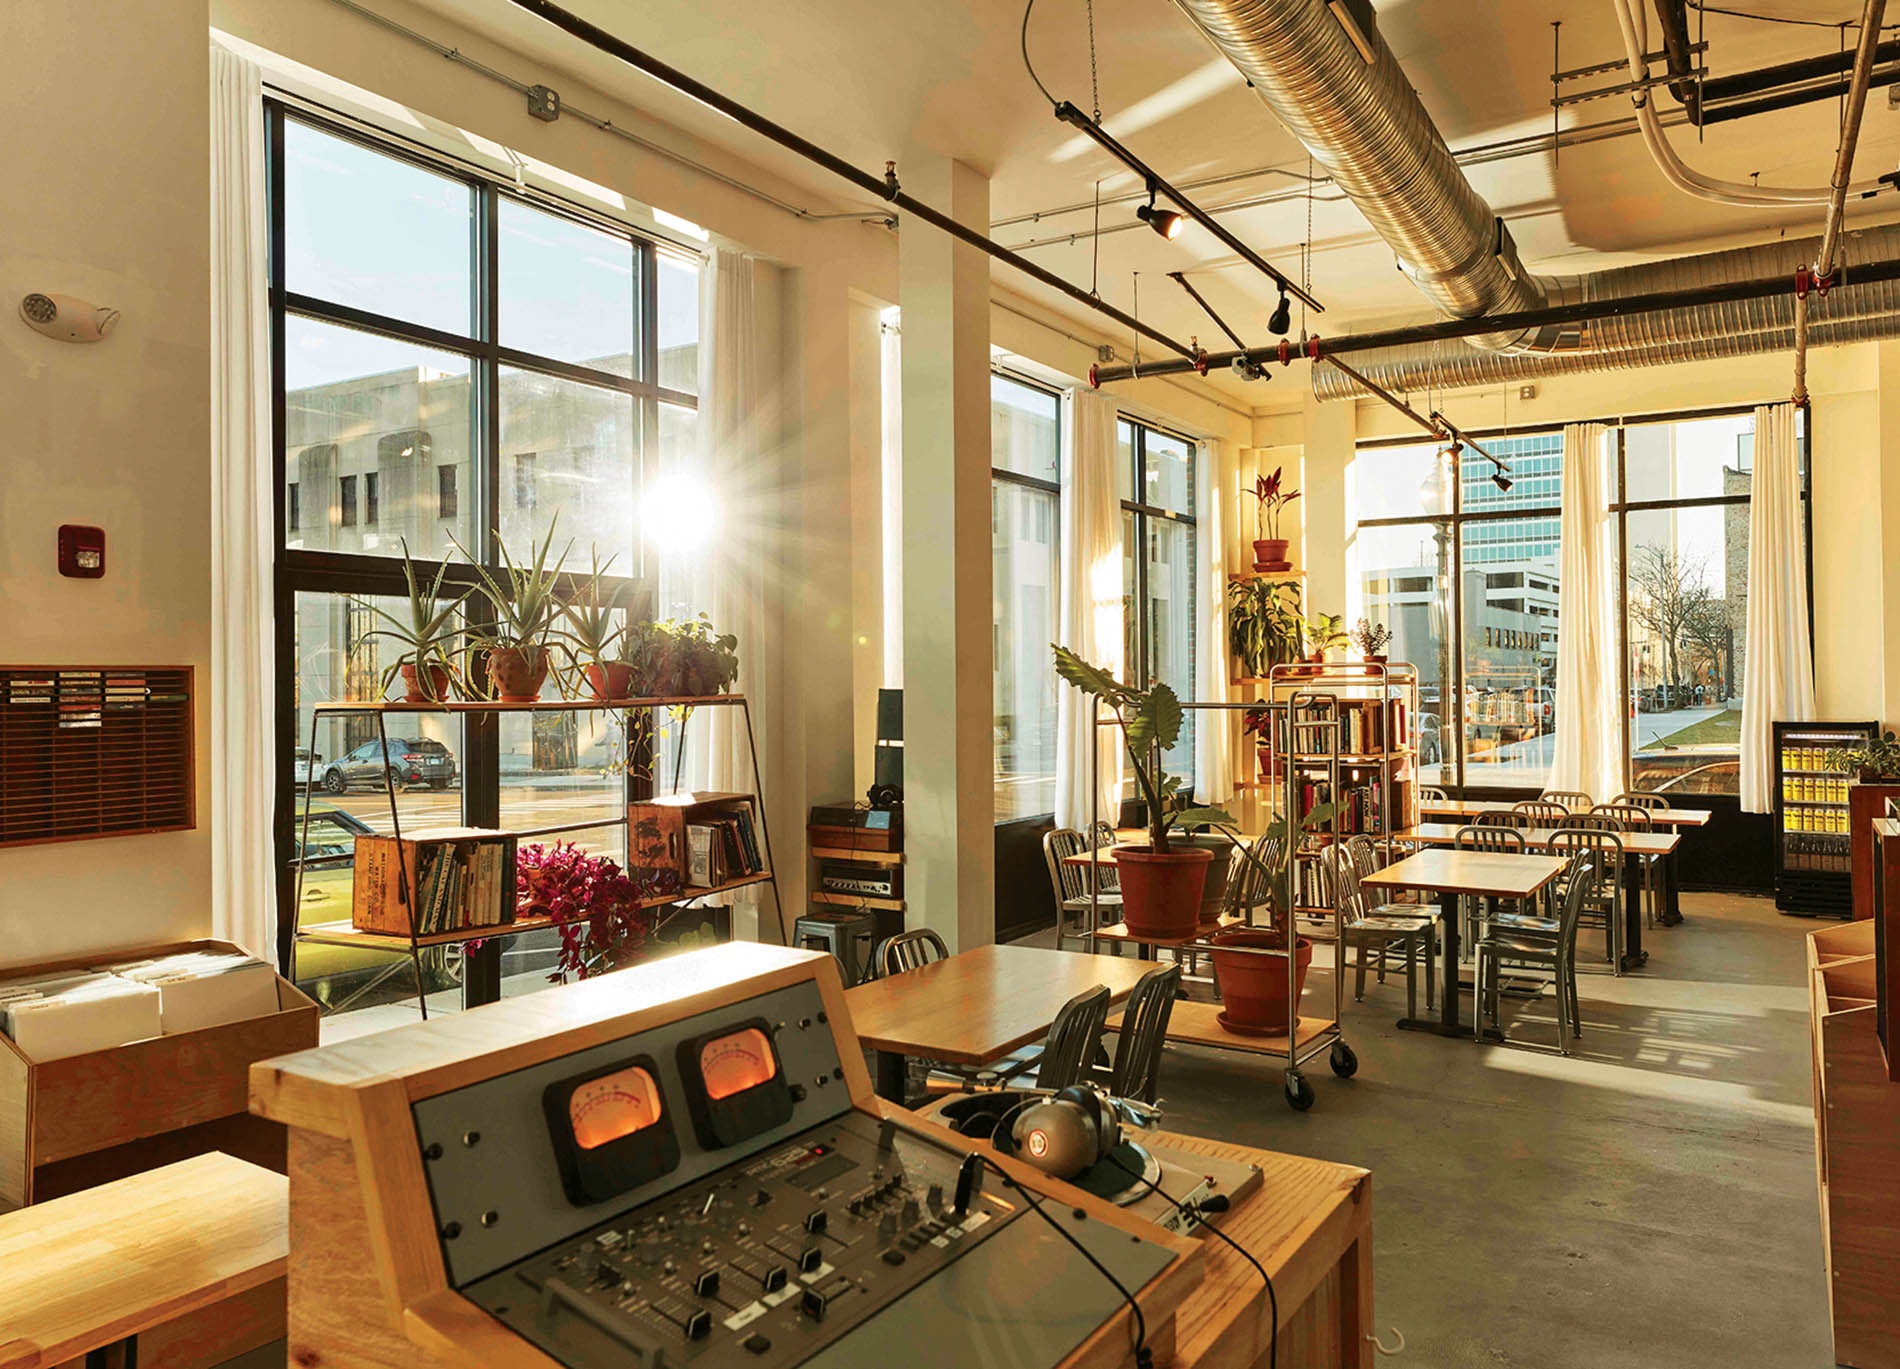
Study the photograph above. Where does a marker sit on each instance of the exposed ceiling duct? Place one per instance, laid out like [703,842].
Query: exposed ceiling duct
[1327,74]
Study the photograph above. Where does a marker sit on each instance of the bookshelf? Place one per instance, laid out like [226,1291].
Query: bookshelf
[403,859]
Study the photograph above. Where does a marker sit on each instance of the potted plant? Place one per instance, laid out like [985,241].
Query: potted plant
[1269,548]
[427,634]
[1250,963]
[596,628]
[1878,762]
[1325,631]
[1162,882]
[1372,639]
[1265,627]
[1255,723]
[527,612]
[675,659]
[602,916]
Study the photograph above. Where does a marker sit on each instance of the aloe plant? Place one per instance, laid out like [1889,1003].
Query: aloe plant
[527,607]
[427,634]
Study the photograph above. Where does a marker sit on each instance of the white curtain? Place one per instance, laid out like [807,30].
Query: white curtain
[891,493]
[1090,612]
[243,790]
[1216,495]
[1589,730]
[1777,671]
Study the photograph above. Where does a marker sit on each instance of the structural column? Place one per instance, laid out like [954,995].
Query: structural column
[949,807]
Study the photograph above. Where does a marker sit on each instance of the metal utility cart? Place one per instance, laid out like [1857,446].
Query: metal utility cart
[482,968]
[1305,1037]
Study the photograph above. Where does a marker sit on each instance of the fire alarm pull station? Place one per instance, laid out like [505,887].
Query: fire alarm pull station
[82,551]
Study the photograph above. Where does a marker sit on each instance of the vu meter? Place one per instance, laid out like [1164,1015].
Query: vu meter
[610,1129]
[735,1086]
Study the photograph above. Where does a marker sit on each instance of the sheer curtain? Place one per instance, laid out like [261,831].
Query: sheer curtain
[1589,731]
[1089,615]
[243,789]
[1216,494]
[1777,671]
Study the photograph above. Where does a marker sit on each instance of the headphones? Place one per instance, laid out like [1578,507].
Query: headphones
[1063,1134]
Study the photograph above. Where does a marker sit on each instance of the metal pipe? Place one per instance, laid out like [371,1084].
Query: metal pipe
[885,187]
[1182,281]
[1788,73]
[1673,18]
[1107,141]
[1790,99]
[1864,51]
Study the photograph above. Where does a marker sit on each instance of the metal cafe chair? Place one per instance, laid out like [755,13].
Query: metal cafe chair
[1070,883]
[1574,799]
[1431,793]
[1479,835]
[1136,1072]
[1541,812]
[1605,908]
[1637,799]
[1370,928]
[1073,1039]
[1635,818]
[1499,817]
[1556,955]
[909,951]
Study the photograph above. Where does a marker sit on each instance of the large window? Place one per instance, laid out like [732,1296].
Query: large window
[458,366]
[1468,579]
[1156,475]
[1025,513]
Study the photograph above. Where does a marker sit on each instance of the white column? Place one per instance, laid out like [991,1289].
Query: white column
[949,811]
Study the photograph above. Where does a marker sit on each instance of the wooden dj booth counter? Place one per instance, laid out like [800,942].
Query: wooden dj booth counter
[685,1164]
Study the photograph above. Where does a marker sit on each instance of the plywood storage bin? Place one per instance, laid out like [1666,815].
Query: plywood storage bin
[1857,1149]
[71,1123]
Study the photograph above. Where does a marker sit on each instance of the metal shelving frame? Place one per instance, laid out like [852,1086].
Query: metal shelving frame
[416,942]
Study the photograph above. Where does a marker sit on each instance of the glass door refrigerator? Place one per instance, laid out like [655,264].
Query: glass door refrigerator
[1813,862]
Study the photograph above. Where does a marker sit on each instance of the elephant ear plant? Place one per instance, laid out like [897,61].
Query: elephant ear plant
[426,632]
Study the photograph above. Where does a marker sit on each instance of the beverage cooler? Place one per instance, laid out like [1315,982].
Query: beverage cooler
[1813,866]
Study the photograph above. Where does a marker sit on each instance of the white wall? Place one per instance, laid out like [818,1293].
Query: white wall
[107,198]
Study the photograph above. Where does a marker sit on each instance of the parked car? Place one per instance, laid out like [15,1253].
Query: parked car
[1431,748]
[412,760]
[1716,777]
[332,832]
[300,765]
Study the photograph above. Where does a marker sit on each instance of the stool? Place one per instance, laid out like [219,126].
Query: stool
[848,936]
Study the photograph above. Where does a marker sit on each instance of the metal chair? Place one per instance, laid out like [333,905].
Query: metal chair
[1369,928]
[1073,1040]
[1136,1072]
[1070,884]
[909,951]
[1637,799]
[1431,793]
[1574,799]
[1480,835]
[1594,821]
[1557,955]
[1248,886]
[1605,853]
[1499,817]
[1541,812]
[1635,818]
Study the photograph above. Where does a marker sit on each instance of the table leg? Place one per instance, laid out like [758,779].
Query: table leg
[1672,889]
[1447,1023]
[1634,956]
[892,1076]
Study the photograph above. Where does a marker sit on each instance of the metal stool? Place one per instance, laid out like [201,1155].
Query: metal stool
[848,936]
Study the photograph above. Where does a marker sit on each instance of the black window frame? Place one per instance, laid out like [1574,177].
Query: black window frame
[1140,669]
[307,571]
[1452,694]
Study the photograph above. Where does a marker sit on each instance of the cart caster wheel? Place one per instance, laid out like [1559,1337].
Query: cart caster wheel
[1299,1093]
[1345,1064]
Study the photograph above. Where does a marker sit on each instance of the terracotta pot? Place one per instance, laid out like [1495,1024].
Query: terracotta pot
[517,673]
[1264,755]
[1250,968]
[1269,550]
[1161,895]
[432,688]
[609,680]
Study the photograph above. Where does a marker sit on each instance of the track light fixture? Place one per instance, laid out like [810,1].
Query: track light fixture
[1282,319]
[1501,480]
[1164,221]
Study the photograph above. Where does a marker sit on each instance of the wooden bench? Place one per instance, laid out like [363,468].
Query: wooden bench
[188,1259]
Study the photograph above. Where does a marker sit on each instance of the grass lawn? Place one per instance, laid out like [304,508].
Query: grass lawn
[1723,728]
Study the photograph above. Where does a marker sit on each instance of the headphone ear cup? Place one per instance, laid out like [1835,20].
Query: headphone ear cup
[1003,1139]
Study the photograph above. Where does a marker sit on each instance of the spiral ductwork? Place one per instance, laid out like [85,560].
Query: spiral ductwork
[1362,120]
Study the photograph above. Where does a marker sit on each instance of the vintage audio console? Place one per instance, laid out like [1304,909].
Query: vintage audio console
[680,1164]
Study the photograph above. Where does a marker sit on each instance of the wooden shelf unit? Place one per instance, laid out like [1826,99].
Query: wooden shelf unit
[85,1119]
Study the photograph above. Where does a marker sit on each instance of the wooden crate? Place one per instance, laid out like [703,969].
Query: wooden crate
[1865,802]
[656,834]
[86,1119]
[1857,1149]
[377,901]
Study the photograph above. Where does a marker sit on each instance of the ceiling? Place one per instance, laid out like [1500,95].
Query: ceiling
[874,80]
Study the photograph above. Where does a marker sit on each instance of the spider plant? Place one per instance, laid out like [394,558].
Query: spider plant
[426,632]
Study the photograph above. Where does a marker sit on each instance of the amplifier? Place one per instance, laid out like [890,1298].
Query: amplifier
[860,877]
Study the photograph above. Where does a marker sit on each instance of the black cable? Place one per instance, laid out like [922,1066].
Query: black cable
[1027,9]
[1196,1218]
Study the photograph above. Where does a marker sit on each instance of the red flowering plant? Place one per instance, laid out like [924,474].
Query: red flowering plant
[595,906]
[1266,489]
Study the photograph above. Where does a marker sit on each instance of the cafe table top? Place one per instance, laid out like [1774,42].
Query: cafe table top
[979,1005]
[1634,843]
[1470,808]
[1483,874]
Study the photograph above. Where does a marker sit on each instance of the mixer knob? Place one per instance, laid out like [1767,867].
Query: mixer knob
[706,1247]
[813,1304]
[912,1212]
[855,1207]
[809,1259]
[699,1325]
[743,1229]
[935,1198]
[660,1221]
[887,1226]
[761,1198]
[707,1284]
[774,1278]
[815,1222]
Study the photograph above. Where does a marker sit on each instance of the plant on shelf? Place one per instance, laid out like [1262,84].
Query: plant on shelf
[1372,639]
[597,626]
[427,633]
[595,906]
[1250,963]
[1324,632]
[1269,548]
[1257,723]
[1162,882]
[519,643]
[673,659]
[1265,627]
[1877,762]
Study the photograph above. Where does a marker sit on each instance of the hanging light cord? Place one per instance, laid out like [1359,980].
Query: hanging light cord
[1029,66]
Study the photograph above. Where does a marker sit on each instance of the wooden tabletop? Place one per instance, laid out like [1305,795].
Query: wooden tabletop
[88,1270]
[1634,843]
[1470,808]
[1485,874]
[980,1005]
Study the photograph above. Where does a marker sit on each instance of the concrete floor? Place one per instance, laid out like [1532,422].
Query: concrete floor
[1649,1201]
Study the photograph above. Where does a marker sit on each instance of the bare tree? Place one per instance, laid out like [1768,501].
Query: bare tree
[1707,639]
[1667,593]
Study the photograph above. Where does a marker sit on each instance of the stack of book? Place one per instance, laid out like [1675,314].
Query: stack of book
[462,878]
[722,845]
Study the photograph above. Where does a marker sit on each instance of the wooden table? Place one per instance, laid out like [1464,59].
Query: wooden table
[190,1256]
[1310,1224]
[1636,847]
[1449,874]
[1470,808]
[976,1007]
